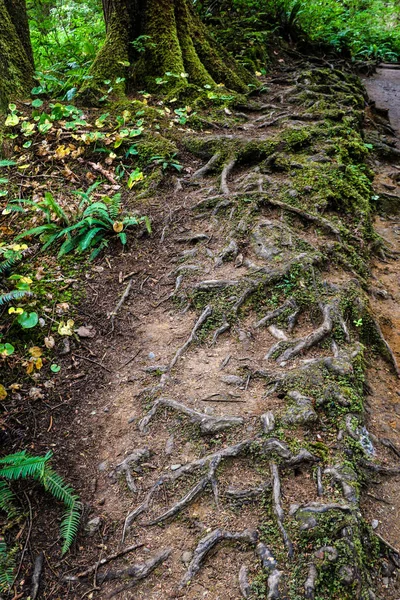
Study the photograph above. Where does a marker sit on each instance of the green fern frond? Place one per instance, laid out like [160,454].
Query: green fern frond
[55,207]
[70,524]
[7,265]
[7,500]
[115,206]
[23,466]
[14,295]
[55,484]
[7,566]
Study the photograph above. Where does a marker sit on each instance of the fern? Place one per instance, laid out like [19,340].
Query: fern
[7,566]
[7,500]
[115,206]
[70,524]
[7,265]
[22,465]
[13,295]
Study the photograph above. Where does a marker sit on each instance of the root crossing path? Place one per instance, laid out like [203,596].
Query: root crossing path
[245,435]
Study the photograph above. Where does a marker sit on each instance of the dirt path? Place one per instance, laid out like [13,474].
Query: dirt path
[384,89]
[251,427]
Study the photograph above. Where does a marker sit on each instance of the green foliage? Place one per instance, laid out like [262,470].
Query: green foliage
[89,229]
[22,465]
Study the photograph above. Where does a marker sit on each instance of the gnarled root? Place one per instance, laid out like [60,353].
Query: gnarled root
[208,543]
[207,167]
[278,510]
[132,461]
[135,572]
[265,321]
[245,588]
[309,586]
[207,423]
[226,171]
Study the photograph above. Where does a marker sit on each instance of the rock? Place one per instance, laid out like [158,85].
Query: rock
[169,445]
[232,380]
[65,346]
[85,332]
[346,574]
[186,557]
[102,466]
[374,523]
[93,526]
[302,412]
[239,261]
[151,355]
[175,467]
[267,422]
[277,333]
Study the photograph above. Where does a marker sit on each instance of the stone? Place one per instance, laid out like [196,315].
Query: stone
[374,523]
[186,558]
[301,412]
[268,422]
[346,574]
[102,466]
[93,526]
[175,467]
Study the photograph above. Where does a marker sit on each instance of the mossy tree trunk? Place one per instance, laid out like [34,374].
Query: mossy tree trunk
[16,58]
[168,37]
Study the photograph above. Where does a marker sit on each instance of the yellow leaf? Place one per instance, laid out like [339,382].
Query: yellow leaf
[66,328]
[29,368]
[118,226]
[27,280]
[35,351]
[62,151]
[3,393]
[258,73]
[39,364]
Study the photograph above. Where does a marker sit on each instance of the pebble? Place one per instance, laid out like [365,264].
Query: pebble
[93,525]
[374,523]
[102,466]
[175,467]
[186,557]
[152,355]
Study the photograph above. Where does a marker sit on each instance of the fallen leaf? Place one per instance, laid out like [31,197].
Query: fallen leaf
[85,332]
[35,351]
[3,392]
[118,226]
[66,328]
[49,342]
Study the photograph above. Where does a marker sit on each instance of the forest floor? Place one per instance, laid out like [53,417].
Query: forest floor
[212,237]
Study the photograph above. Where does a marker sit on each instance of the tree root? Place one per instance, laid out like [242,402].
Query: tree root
[244,586]
[278,510]
[136,572]
[132,460]
[319,509]
[207,167]
[226,171]
[346,479]
[224,327]
[203,317]
[391,356]
[124,296]
[178,284]
[309,586]
[230,251]
[302,344]
[320,487]
[208,543]
[275,313]
[207,423]
[248,494]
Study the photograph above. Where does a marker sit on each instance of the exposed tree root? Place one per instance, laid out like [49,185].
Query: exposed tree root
[203,317]
[245,588]
[248,494]
[265,321]
[278,510]
[347,479]
[135,572]
[309,586]
[207,423]
[389,351]
[307,342]
[208,543]
[224,327]
[226,171]
[229,252]
[132,461]
[207,167]
[320,487]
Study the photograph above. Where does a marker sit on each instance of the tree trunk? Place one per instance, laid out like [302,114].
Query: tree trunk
[156,37]
[16,60]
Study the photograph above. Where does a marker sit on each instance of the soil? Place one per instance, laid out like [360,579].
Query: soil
[107,385]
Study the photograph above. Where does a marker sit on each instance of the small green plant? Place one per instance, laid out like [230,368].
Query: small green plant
[167,162]
[358,322]
[26,466]
[89,229]
[143,42]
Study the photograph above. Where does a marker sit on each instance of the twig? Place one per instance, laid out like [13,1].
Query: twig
[95,362]
[102,562]
[124,296]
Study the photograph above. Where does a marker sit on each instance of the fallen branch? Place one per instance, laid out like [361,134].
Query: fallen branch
[104,561]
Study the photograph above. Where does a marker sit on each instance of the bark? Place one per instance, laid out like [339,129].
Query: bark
[16,68]
[19,17]
[172,39]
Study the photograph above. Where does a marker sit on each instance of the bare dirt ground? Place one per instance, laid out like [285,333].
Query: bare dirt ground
[114,379]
